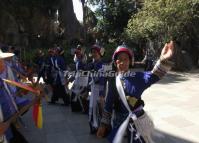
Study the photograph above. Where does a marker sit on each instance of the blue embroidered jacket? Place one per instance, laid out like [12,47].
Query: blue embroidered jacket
[134,85]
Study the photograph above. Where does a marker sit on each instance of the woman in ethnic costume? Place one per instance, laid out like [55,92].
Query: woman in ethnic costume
[124,97]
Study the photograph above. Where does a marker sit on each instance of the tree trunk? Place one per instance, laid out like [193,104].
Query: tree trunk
[73,29]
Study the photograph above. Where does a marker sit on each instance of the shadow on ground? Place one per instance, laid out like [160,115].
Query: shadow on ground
[176,77]
[60,126]
[162,137]
[173,78]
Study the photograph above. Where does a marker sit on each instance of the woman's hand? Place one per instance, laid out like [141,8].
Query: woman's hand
[167,51]
[3,127]
[101,132]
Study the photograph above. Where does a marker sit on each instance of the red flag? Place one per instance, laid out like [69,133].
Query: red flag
[37,114]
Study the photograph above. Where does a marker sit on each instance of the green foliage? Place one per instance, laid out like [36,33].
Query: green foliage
[167,18]
[90,20]
[109,48]
[113,16]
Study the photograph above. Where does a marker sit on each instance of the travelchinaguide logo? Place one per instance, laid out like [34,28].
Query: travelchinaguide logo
[97,74]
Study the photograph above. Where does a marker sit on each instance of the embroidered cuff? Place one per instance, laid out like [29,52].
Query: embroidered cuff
[162,67]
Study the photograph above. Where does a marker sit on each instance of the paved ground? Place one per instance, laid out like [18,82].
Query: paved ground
[173,103]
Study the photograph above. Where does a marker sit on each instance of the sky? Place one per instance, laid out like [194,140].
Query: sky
[77,5]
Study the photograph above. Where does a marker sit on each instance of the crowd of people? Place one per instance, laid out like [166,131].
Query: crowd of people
[109,93]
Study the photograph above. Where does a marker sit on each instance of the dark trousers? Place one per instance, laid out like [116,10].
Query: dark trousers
[59,92]
[17,136]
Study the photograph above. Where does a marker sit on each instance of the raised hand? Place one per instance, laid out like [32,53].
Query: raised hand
[167,51]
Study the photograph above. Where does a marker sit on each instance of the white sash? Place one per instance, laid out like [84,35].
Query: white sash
[119,136]
[144,125]
[61,74]
[93,104]
[121,131]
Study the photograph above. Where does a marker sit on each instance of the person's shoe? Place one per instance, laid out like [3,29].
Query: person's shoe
[93,130]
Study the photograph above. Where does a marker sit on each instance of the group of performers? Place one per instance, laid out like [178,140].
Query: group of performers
[113,103]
